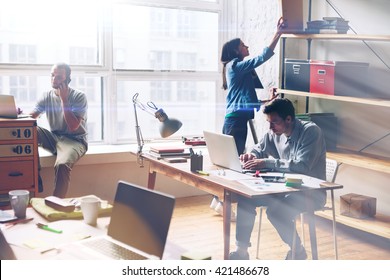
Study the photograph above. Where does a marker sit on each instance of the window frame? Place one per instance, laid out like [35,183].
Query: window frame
[109,76]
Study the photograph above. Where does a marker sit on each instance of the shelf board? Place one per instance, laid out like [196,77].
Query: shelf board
[378,225]
[359,159]
[338,37]
[365,101]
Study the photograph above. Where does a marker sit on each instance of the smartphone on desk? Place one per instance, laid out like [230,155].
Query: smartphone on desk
[273,179]
[6,217]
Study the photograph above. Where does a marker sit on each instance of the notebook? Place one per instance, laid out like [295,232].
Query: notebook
[8,108]
[138,227]
[223,151]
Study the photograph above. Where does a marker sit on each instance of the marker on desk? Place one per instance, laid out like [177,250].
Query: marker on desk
[202,172]
[46,227]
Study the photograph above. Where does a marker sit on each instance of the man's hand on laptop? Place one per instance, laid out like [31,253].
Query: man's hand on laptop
[245,157]
[251,162]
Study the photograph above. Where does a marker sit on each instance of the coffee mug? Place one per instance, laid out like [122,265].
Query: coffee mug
[19,200]
[90,208]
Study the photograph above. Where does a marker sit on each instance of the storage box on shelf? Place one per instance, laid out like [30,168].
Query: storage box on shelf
[357,205]
[322,76]
[297,74]
[18,157]
[342,78]
[380,224]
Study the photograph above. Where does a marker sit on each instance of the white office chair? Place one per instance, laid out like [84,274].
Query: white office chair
[331,170]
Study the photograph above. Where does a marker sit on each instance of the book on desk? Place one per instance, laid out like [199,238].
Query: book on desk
[161,152]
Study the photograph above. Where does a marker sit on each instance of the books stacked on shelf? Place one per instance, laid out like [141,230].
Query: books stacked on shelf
[161,152]
[330,25]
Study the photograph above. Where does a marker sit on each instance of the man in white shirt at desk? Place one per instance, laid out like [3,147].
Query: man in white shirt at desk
[297,147]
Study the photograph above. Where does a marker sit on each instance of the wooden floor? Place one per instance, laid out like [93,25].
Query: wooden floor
[197,228]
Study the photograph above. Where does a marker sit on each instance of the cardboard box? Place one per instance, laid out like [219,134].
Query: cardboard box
[322,76]
[297,74]
[357,206]
[195,256]
[292,13]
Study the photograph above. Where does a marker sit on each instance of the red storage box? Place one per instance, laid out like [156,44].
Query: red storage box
[322,76]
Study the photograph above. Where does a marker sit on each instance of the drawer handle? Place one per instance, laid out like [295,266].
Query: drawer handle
[15,174]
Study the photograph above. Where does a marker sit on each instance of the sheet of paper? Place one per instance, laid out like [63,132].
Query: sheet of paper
[32,237]
[258,184]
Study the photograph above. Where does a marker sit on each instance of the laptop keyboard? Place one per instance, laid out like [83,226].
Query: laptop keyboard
[113,250]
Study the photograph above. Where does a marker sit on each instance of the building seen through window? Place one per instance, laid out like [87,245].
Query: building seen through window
[116,49]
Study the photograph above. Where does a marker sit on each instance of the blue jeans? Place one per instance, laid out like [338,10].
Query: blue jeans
[281,212]
[238,128]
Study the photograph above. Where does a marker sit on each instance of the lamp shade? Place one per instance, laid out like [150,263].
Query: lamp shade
[168,126]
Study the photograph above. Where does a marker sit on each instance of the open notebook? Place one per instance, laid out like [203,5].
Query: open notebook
[8,107]
[138,227]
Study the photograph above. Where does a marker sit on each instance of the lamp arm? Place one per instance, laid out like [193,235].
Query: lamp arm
[138,133]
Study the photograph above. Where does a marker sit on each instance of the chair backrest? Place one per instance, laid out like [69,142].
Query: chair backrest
[331,170]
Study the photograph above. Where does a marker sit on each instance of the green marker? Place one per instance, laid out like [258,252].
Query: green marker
[46,227]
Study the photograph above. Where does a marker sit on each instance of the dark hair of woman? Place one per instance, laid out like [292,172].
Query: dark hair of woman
[229,52]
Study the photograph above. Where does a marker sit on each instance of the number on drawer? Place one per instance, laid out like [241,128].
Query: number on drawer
[10,133]
[16,150]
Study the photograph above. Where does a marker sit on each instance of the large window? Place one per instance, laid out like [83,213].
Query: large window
[165,52]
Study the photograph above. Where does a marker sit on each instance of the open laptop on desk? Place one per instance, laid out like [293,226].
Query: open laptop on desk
[8,107]
[139,223]
[223,151]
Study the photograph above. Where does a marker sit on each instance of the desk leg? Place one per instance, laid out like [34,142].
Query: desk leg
[151,180]
[313,236]
[312,227]
[227,206]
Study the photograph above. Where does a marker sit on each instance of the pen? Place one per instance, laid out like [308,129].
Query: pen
[22,221]
[202,172]
[46,227]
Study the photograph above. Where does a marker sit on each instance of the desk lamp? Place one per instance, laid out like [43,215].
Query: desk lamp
[167,127]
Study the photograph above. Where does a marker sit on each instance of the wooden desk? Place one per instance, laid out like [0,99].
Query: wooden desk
[226,189]
[28,241]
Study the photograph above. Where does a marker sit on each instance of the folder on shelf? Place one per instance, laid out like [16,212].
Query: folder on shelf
[292,13]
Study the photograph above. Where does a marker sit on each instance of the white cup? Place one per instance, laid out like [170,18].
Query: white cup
[19,201]
[90,208]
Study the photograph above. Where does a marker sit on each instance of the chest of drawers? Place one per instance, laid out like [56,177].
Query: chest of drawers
[18,157]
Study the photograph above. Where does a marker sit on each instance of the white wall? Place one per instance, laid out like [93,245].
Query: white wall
[359,124]
[99,174]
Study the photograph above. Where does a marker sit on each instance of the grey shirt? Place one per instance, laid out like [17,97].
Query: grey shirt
[50,104]
[303,152]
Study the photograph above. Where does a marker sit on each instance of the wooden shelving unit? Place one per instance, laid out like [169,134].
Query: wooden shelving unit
[338,37]
[380,224]
[366,101]
[363,160]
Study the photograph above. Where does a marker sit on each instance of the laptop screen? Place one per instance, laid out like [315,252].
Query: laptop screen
[8,107]
[222,150]
[141,217]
